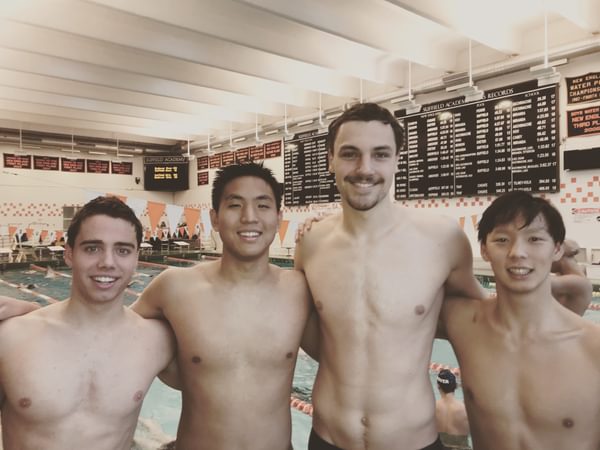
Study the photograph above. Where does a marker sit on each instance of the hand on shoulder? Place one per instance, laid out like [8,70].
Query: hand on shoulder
[306,226]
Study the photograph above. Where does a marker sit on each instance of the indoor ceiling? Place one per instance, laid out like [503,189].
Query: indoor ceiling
[169,71]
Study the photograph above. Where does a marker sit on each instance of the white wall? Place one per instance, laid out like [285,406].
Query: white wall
[37,188]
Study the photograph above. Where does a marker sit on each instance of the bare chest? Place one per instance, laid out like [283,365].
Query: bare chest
[388,282]
[43,389]
[548,387]
[244,330]
[52,385]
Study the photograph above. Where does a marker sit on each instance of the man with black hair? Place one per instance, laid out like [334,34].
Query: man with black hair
[530,368]
[238,322]
[73,375]
[450,413]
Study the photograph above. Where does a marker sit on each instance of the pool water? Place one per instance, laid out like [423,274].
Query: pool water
[162,404]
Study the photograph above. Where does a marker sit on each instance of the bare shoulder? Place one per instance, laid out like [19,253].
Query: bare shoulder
[432,225]
[321,229]
[177,281]
[26,326]
[429,219]
[292,280]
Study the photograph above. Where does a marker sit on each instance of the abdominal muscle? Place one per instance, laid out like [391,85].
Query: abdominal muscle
[377,396]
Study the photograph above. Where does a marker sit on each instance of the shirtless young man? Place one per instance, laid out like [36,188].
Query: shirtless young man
[73,374]
[238,323]
[450,413]
[378,273]
[570,285]
[530,368]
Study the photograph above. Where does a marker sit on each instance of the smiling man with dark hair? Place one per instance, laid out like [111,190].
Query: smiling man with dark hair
[508,345]
[238,321]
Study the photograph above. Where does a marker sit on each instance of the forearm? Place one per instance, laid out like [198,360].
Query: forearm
[10,307]
[142,307]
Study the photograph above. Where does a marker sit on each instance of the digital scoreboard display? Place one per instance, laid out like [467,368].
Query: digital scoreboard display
[508,140]
[166,173]
[307,178]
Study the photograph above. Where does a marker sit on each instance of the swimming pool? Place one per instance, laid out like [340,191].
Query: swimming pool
[161,407]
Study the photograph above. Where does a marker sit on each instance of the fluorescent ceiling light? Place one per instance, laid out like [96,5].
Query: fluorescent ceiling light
[217,146]
[70,150]
[53,141]
[546,75]
[407,103]
[271,132]
[555,63]
[403,99]
[240,139]
[91,152]
[306,122]
[468,90]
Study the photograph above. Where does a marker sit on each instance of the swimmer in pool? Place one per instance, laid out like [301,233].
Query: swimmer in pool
[530,368]
[50,273]
[73,375]
[238,321]
[450,414]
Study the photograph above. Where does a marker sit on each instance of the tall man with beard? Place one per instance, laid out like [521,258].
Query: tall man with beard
[378,273]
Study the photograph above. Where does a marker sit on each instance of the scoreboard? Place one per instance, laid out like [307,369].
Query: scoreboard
[508,140]
[166,173]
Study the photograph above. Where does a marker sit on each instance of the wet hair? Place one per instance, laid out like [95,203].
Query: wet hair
[515,204]
[105,206]
[446,381]
[230,173]
[366,112]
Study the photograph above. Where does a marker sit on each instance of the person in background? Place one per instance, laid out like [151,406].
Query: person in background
[73,375]
[570,285]
[530,368]
[450,413]
[238,321]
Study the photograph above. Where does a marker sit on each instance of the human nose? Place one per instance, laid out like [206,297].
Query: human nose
[107,259]
[364,165]
[517,249]
[248,214]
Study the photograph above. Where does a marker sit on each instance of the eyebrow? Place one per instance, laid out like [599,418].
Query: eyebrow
[239,197]
[529,228]
[354,147]
[99,242]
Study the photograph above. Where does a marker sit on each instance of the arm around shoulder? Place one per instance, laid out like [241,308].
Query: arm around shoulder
[456,314]
[461,281]
[574,292]
[10,307]
[150,304]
